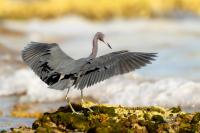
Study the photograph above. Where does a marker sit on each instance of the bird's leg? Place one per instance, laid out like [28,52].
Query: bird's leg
[82,101]
[69,103]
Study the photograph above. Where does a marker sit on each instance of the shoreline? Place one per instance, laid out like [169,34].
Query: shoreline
[109,118]
[104,10]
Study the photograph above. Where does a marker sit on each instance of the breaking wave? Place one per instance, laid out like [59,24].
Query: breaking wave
[130,89]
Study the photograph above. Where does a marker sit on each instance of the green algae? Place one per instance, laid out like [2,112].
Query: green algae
[22,130]
[3,131]
[196,118]
[158,119]
[117,119]
[175,109]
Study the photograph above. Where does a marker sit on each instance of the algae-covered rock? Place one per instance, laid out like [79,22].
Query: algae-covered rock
[24,110]
[1,113]
[117,119]
[196,118]
[175,109]
[22,130]
[3,131]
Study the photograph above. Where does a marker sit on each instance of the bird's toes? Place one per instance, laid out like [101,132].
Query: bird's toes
[90,109]
[77,113]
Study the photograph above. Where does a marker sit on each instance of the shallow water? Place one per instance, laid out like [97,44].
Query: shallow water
[173,79]
[176,41]
[7,122]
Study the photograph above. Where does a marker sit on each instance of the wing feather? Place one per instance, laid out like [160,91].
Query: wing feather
[115,63]
[44,58]
[90,79]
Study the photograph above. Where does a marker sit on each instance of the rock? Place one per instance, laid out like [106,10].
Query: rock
[175,109]
[158,119]
[1,113]
[25,110]
[111,119]
[22,130]
[196,118]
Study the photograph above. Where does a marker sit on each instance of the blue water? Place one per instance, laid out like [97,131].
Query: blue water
[7,122]
[177,43]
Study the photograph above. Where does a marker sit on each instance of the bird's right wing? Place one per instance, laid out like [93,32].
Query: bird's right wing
[108,65]
[44,58]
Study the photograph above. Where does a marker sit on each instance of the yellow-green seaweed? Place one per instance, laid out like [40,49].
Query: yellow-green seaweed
[117,119]
[101,10]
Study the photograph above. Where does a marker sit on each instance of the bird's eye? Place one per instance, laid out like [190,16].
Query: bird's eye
[101,38]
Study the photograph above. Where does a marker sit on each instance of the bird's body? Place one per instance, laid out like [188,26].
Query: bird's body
[60,71]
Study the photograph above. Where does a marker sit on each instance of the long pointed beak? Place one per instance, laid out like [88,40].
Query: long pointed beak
[107,44]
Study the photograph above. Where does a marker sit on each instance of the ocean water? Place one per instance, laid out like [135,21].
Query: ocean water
[127,90]
[173,79]
[6,122]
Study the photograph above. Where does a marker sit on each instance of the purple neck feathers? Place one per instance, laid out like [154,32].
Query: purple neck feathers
[94,48]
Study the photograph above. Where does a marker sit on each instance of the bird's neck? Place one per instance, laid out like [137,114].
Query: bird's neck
[94,48]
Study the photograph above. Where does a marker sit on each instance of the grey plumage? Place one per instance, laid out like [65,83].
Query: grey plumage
[123,60]
[60,71]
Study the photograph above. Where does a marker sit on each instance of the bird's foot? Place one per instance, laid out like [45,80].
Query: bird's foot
[90,109]
[72,109]
[77,113]
[87,105]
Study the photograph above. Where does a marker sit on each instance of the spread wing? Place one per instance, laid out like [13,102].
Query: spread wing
[108,65]
[44,58]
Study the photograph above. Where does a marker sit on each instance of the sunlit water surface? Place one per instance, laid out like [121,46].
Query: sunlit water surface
[173,79]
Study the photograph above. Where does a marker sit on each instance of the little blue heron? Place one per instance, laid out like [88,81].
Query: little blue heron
[60,71]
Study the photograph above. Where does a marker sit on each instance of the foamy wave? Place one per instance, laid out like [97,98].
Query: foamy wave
[130,89]
[25,81]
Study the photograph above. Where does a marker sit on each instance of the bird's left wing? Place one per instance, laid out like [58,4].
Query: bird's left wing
[108,65]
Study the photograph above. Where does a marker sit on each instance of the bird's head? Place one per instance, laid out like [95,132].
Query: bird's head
[101,36]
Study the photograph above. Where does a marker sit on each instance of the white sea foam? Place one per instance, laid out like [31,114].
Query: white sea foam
[129,89]
[177,44]
[25,81]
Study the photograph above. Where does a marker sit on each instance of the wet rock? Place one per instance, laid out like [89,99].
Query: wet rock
[3,131]
[196,118]
[110,119]
[22,130]
[1,113]
[175,109]
[158,119]
[24,110]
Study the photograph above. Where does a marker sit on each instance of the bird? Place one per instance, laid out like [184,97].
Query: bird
[60,71]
